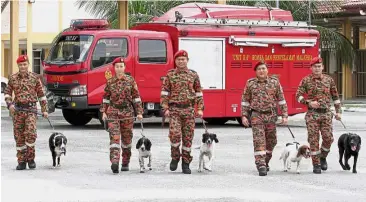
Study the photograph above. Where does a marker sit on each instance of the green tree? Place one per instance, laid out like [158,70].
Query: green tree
[143,11]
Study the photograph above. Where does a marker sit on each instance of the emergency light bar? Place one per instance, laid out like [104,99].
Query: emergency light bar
[235,22]
[95,24]
[264,41]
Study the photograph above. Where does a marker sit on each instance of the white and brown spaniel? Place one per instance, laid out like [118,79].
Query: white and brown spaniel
[294,153]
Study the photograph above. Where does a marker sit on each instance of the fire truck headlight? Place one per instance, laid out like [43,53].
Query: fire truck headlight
[79,90]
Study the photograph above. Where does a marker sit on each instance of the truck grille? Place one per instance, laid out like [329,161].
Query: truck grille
[60,89]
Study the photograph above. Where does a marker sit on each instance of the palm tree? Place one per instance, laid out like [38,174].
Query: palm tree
[143,11]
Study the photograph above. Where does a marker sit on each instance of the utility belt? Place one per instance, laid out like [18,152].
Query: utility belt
[319,110]
[120,106]
[26,105]
[269,111]
[180,105]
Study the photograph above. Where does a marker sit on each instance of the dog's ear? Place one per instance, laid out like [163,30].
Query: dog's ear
[148,144]
[204,137]
[215,138]
[139,143]
[301,151]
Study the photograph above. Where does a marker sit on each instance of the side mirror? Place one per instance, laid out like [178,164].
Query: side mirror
[42,54]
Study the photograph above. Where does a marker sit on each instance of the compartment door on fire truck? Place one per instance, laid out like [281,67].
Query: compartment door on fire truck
[207,58]
[151,65]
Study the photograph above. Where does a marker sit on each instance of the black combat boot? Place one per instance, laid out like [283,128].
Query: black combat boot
[323,163]
[114,167]
[21,166]
[185,168]
[317,169]
[125,167]
[174,165]
[262,171]
[31,164]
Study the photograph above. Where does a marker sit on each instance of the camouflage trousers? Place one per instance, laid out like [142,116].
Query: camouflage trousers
[120,135]
[319,123]
[264,137]
[181,128]
[25,135]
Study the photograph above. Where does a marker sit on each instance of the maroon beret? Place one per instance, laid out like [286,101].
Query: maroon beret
[118,60]
[181,53]
[316,60]
[261,62]
[22,58]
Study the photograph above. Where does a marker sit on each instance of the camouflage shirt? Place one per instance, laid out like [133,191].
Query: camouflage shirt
[181,87]
[123,94]
[27,88]
[263,96]
[319,89]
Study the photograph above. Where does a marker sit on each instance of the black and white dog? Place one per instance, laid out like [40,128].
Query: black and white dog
[57,143]
[349,144]
[207,149]
[144,147]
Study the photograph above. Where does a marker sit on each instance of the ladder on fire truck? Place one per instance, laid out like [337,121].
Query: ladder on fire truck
[235,22]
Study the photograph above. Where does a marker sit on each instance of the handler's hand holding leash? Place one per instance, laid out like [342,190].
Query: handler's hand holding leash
[245,121]
[44,114]
[339,118]
[284,121]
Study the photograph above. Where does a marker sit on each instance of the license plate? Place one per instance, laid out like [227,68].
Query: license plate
[150,105]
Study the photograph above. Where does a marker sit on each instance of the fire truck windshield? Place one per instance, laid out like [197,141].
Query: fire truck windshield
[70,49]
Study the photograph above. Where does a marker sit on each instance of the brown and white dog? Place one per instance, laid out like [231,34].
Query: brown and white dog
[293,153]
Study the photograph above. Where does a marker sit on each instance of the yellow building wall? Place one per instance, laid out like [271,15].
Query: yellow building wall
[6,63]
[37,38]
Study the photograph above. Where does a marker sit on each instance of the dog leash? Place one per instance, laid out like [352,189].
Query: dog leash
[344,126]
[293,136]
[204,125]
[142,129]
[35,112]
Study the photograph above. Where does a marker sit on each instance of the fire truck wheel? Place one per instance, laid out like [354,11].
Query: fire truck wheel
[76,118]
[216,121]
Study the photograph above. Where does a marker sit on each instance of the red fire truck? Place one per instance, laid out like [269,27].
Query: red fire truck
[223,42]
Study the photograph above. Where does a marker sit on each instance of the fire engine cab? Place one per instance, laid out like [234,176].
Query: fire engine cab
[223,43]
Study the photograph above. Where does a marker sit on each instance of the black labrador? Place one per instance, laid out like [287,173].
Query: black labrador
[349,144]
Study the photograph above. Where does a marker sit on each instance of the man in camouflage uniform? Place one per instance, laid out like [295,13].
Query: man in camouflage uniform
[260,98]
[28,90]
[120,98]
[181,91]
[320,88]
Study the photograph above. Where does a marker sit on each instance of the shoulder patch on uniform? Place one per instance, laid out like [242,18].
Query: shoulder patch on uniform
[35,75]
[251,79]
[13,75]
[275,76]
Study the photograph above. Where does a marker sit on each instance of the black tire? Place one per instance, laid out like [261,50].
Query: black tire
[76,118]
[216,121]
